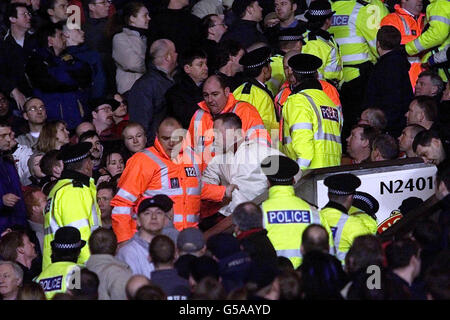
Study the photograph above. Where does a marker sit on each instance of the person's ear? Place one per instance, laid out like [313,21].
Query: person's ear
[294,7]
[365,142]
[94,115]
[187,68]
[227,91]
[50,12]
[20,250]
[25,116]
[12,19]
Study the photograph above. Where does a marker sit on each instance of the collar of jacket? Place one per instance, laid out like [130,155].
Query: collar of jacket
[259,85]
[160,150]
[152,67]
[307,84]
[281,191]
[337,206]
[321,33]
[75,175]
[79,48]
[399,10]
[247,22]
[247,233]
[95,21]
[141,32]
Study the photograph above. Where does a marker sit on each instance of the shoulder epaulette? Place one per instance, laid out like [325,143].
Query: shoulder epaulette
[247,88]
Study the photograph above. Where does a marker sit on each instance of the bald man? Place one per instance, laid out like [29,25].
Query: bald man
[146,99]
[134,284]
[315,237]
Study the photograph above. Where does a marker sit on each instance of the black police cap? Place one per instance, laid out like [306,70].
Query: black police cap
[256,58]
[304,63]
[366,202]
[279,168]
[67,238]
[342,184]
[75,153]
[292,34]
[319,10]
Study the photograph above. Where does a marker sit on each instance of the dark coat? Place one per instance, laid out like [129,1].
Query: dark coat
[147,102]
[389,88]
[258,247]
[10,183]
[182,99]
[63,83]
[179,26]
[245,32]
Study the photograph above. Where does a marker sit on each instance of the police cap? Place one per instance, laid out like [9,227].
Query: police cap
[292,34]
[279,168]
[256,58]
[67,238]
[342,184]
[75,153]
[319,10]
[304,63]
[366,202]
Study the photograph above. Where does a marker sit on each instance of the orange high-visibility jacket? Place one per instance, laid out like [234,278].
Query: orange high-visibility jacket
[201,127]
[152,172]
[410,29]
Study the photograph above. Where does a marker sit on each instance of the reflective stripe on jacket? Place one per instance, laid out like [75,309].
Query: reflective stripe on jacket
[58,277]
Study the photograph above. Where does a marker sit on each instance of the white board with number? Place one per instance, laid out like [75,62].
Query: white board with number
[390,188]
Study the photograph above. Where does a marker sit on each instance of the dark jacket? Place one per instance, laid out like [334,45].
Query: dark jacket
[389,88]
[83,53]
[13,60]
[182,99]
[245,32]
[179,26]
[258,246]
[174,286]
[147,102]
[62,82]
[10,183]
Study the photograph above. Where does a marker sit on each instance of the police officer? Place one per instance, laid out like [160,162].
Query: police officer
[285,215]
[257,69]
[311,122]
[62,272]
[321,43]
[73,199]
[345,228]
[365,207]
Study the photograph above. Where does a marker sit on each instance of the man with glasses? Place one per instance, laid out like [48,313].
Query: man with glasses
[103,118]
[36,115]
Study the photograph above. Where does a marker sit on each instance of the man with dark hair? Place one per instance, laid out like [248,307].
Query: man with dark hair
[72,200]
[359,143]
[102,118]
[58,79]
[248,227]
[429,84]
[422,111]
[286,216]
[229,54]
[432,147]
[405,141]
[244,29]
[96,152]
[162,254]
[389,86]
[182,98]
[384,147]
[89,285]
[36,115]
[315,237]
[62,273]
[374,117]
[257,69]
[105,193]
[56,10]
[113,273]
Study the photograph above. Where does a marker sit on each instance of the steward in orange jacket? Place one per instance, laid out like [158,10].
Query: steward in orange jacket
[410,23]
[219,99]
[170,167]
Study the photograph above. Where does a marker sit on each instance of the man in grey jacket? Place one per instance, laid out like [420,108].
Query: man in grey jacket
[112,273]
[146,98]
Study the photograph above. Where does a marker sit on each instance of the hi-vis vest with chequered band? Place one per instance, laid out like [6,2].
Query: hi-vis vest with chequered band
[285,217]
[71,203]
[58,277]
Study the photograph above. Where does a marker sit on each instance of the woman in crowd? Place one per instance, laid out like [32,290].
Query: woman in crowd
[53,136]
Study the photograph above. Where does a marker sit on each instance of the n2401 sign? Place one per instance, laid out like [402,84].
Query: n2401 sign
[398,186]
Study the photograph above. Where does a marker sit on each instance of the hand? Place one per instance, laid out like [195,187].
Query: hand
[8,230]
[19,98]
[229,190]
[104,178]
[10,199]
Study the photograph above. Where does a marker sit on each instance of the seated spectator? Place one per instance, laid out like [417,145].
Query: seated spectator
[11,276]
[162,253]
[102,118]
[322,276]
[112,273]
[15,246]
[120,114]
[31,291]
[150,292]
[134,284]
[58,78]
[373,117]
[227,65]
[384,147]
[130,45]
[35,201]
[213,27]
[209,289]
[34,168]
[248,226]
[422,111]
[35,114]
[429,84]
[432,148]
[105,192]
[359,144]
[96,151]
[190,241]
[53,136]
[315,238]
[406,139]
[183,97]
[134,139]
